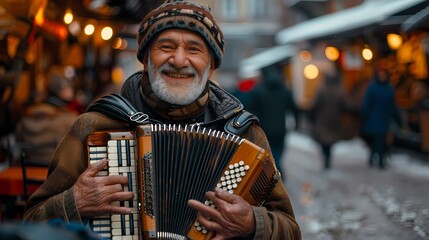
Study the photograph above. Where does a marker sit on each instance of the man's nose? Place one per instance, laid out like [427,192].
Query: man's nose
[179,59]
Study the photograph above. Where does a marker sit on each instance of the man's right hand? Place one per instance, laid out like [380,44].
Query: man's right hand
[94,194]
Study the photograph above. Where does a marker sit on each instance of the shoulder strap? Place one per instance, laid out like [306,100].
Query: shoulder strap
[119,108]
[238,123]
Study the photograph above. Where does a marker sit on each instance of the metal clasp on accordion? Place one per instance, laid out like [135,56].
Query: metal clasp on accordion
[139,117]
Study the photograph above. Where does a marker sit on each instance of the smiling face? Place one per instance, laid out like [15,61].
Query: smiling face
[179,65]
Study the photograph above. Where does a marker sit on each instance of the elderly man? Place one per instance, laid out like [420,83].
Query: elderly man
[180,46]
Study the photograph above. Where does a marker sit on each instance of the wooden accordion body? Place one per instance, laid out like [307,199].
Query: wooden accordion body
[169,164]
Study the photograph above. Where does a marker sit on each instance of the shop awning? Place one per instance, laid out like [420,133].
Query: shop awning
[347,20]
[250,66]
[420,19]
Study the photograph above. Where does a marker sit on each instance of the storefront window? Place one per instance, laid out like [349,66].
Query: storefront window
[258,9]
[230,10]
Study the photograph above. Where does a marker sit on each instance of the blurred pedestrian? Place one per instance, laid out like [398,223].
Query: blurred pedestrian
[105,83]
[377,112]
[270,101]
[45,123]
[329,105]
[243,89]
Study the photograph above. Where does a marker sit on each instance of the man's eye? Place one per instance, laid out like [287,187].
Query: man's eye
[194,49]
[167,47]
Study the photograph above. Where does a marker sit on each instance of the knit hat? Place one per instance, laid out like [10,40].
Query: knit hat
[185,15]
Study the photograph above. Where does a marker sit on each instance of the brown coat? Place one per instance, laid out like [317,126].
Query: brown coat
[54,199]
[329,108]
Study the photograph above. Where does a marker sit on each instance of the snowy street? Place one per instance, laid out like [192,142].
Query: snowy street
[351,201]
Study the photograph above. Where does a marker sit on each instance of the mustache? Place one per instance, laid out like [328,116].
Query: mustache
[170,68]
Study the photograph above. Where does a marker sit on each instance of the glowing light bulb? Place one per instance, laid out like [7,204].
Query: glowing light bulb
[89,29]
[332,53]
[367,54]
[311,71]
[106,33]
[68,16]
[394,41]
[305,56]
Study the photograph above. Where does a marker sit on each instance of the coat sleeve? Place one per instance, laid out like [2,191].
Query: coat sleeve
[275,219]
[54,198]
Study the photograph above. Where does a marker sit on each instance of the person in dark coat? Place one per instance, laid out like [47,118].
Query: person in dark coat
[44,124]
[326,114]
[271,100]
[377,111]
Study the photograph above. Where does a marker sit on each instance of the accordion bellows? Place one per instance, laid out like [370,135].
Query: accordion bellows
[169,164]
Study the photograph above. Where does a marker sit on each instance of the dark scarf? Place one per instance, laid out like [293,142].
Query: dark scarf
[170,112]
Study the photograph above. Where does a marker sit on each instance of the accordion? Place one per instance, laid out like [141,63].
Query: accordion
[167,165]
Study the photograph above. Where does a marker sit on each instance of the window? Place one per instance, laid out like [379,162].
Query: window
[230,10]
[258,9]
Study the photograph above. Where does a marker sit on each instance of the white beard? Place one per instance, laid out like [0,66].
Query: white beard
[180,93]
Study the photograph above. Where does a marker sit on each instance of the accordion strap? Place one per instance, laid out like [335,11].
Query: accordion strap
[240,122]
[119,108]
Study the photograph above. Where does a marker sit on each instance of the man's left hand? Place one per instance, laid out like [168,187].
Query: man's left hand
[233,216]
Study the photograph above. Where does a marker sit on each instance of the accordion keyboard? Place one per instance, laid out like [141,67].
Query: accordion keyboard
[121,161]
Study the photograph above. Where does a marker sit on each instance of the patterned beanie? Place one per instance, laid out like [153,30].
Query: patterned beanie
[185,15]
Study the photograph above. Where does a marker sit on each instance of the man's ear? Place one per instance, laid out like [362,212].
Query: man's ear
[145,59]
[145,62]
[212,67]
[212,64]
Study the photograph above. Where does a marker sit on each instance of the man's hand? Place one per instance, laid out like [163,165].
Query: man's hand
[232,218]
[94,195]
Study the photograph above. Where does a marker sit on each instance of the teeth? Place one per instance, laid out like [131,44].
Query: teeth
[175,75]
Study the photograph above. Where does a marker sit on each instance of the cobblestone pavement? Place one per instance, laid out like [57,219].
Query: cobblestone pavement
[352,201]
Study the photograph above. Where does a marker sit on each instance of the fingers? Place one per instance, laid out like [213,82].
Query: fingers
[118,210]
[115,179]
[225,195]
[100,165]
[93,201]
[101,181]
[222,199]
[218,237]
[94,168]
[209,223]
[233,216]
[205,214]
[94,194]
[119,196]
[201,207]
[114,206]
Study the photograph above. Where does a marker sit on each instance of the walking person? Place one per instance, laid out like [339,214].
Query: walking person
[45,123]
[270,101]
[378,111]
[326,115]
